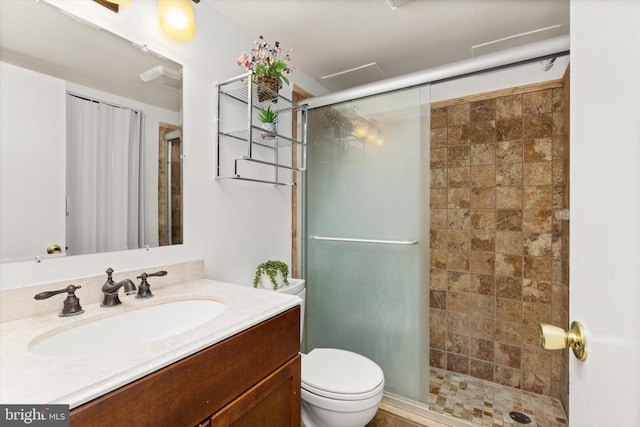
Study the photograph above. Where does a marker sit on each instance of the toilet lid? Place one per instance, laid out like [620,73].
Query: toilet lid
[339,372]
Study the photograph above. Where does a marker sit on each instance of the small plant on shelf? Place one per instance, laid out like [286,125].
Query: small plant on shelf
[267,115]
[269,118]
[274,270]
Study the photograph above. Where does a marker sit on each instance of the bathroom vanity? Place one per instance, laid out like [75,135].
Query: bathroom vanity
[252,378]
[239,367]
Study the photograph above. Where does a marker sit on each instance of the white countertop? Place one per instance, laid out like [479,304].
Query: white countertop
[26,377]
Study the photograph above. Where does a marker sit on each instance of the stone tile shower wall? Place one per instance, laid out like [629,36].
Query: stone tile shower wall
[498,265]
[176,188]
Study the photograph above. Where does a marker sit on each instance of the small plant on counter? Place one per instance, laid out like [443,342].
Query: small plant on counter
[271,269]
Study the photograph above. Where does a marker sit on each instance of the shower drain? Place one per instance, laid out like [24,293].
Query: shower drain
[519,417]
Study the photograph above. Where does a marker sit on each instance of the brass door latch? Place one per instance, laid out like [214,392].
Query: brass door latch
[54,249]
[554,338]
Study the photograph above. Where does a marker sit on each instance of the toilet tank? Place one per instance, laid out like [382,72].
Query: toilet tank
[296,287]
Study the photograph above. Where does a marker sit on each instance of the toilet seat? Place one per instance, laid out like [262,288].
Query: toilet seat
[341,375]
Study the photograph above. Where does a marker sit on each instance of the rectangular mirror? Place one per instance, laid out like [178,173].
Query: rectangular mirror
[91,138]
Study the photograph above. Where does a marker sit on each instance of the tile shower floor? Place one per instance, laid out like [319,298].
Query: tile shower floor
[483,403]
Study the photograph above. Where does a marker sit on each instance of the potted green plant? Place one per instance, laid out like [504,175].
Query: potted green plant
[271,275]
[269,118]
[268,64]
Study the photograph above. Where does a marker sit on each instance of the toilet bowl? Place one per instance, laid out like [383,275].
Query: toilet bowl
[340,388]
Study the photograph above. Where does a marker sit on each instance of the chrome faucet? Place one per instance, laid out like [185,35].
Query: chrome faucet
[110,290]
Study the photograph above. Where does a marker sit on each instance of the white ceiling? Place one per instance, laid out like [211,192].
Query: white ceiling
[328,37]
[63,47]
[332,36]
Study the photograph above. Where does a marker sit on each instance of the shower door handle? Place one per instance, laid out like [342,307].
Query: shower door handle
[554,338]
[353,240]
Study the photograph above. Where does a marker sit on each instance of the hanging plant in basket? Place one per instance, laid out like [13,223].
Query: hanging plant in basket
[269,64]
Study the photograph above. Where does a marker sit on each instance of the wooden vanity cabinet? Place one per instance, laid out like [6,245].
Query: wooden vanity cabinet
[250,379]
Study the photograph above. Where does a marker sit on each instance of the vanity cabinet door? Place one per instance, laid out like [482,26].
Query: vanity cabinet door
[273,402]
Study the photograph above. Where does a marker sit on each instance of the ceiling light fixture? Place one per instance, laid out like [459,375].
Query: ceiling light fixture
[176,16]
[367,130]
[176,19]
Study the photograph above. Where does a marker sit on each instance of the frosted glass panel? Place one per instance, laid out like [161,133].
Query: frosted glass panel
[370,298]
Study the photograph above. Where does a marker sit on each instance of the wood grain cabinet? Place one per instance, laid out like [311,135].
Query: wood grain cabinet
[250,379]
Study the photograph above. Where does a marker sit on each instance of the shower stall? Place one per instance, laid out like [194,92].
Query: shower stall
[430,240]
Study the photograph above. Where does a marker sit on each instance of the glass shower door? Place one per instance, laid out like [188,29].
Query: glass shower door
[366,221]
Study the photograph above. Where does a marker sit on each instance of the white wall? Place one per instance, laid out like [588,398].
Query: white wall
[32,162]
[233,225]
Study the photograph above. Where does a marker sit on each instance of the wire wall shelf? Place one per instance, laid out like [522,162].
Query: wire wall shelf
[245,151]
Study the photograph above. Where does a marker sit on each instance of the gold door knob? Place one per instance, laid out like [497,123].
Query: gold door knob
[554,338]
[54,249]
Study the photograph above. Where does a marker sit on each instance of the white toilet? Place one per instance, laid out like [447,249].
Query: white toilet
[339,388]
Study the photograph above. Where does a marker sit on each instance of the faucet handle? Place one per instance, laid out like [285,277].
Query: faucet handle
[71,305]
[144,290]
[156,274]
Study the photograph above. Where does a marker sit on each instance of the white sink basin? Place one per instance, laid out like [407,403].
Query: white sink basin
[129,329]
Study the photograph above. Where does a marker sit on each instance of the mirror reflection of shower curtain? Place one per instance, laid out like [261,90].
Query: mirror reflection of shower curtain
[367,178]
[105,209]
